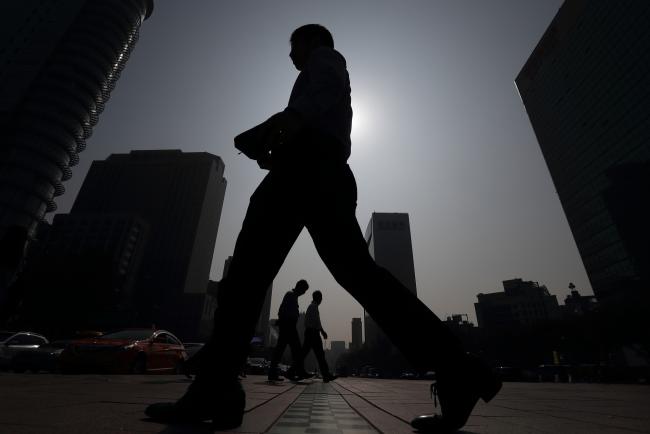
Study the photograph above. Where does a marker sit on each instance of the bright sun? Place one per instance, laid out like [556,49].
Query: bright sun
[360,119]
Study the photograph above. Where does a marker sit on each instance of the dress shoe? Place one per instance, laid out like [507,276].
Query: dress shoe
[458,392]
[297,375]
[224,406]
[275,377]
[304,375]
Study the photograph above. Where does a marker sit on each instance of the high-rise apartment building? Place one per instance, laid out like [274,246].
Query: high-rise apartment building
[585,89]
[59,62]
[389,241]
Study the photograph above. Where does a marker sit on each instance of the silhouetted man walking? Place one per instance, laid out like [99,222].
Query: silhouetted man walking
[288,335]
[312,341]
[310,185]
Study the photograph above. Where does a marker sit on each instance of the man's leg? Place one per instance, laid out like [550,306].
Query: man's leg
[269,230]
[297,354]
[317,345]
[460,379]
[340,243]
[277,353]
[307,346]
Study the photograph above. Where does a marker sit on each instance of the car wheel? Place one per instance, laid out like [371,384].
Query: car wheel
[139,365]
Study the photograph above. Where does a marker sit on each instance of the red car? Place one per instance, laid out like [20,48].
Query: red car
[136,351]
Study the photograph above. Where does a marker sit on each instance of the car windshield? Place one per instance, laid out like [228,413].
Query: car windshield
[136,335]
[5,335]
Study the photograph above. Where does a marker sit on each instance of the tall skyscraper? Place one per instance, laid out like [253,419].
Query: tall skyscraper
[357,334]
[389,241]
[59,62]
[179,197]
[585,88]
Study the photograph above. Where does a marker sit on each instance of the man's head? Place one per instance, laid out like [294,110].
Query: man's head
[307,38]
[301,287]
[317,296]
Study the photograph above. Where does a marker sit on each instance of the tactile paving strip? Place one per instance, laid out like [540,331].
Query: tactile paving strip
[320,409]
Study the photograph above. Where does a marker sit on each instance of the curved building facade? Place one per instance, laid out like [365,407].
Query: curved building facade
[59,62]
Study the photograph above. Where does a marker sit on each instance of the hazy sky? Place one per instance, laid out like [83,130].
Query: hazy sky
[439,131]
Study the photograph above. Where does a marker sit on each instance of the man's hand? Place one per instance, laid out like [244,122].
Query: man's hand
[322,332]
[259,142]
[254,142]
[283,128]
[265,162]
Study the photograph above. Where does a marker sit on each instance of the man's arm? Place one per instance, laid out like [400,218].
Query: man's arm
[320,325]
[258,142]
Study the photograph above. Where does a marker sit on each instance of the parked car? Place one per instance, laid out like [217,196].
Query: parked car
[136,351]
[12,343]
[429,375]
[370,372]
[43,358]
[408,375]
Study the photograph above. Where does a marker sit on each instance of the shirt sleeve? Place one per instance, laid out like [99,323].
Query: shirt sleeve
[326,84]
[312,317]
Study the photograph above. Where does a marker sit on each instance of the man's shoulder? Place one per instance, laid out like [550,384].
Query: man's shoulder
[328,55]
[289,296]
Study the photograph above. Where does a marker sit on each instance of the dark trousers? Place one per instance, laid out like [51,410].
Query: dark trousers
[314,342]
[322,198]
[287,335]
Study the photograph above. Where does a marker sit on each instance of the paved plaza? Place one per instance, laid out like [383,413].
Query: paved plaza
[43,403]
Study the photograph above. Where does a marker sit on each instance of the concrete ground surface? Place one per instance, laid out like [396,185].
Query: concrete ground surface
[44,403]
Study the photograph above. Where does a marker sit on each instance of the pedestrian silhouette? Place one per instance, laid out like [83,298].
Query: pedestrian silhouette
[288,335]
[313,332]
[310,185]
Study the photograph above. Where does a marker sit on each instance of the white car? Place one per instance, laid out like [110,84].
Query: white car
[12,343]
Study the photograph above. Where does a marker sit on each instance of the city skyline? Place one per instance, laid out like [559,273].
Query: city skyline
[461,158]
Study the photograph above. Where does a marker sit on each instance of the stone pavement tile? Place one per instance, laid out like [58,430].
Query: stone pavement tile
[111,404]
[528,407]
[320,409]
[397,401]
[536,425]
[381,420]
[262,417]
[97,403]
